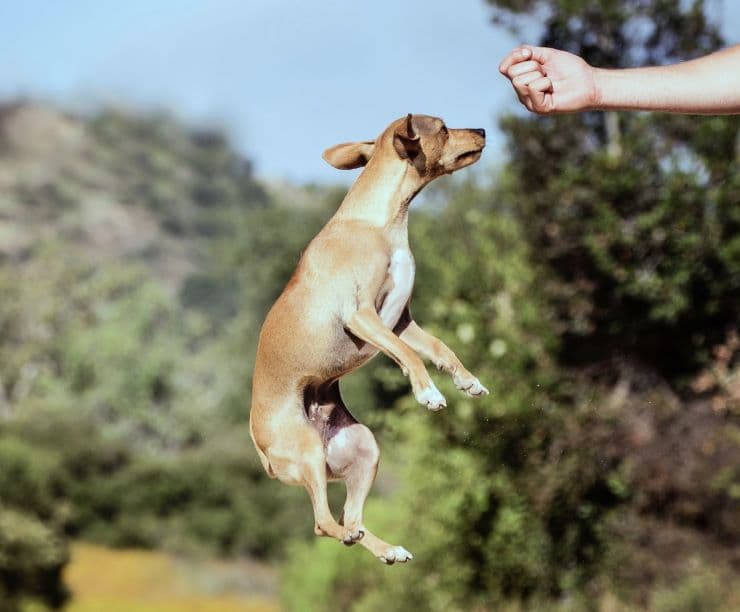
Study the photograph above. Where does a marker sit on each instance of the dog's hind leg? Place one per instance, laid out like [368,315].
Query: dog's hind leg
[353,455]
[298,457]
[314,479]
[387,553]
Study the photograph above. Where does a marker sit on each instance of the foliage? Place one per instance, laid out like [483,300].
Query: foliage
[593,289]
[558,486]
[637,220]
[31,559]
[142,463]
[588,288]
[124,362]
[488,518]
[618,33]
[703,591]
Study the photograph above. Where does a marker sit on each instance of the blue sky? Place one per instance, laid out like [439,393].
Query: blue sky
[286,78]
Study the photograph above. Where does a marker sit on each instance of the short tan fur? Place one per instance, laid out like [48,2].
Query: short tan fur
[348,300]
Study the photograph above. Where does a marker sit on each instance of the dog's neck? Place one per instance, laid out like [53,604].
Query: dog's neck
[381,194]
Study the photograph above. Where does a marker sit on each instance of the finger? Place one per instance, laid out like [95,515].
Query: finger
[511,58]
[516,55]
[523,67]
[538,54]
[537,101]
[541,84]
[523,99]
[525,79]
[540,95]
[521,82]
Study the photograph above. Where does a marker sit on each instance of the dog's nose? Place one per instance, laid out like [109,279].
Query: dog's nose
[480,131]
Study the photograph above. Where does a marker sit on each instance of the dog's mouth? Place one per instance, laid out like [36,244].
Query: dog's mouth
[469,157]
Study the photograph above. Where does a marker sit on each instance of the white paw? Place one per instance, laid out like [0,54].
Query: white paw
[353,535]
[395,554]
[431,398]
[471,386]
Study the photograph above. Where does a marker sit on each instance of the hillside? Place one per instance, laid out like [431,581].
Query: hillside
[117,187]
[127,327]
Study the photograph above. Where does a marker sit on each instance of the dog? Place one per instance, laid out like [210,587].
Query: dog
[347,300]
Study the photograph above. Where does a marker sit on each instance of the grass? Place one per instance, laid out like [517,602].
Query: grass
[148,581]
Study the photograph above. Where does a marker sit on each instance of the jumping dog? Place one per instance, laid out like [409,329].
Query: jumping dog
[347,300]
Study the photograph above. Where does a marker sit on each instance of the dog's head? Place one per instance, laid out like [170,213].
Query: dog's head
[423,142]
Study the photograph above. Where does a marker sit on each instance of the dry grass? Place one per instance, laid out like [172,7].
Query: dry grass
[145,581]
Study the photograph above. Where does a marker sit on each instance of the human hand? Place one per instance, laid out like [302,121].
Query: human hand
[549,81]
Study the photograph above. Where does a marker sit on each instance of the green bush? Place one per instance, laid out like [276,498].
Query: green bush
[27,477]
[212,499]
[31,561]
[701,592]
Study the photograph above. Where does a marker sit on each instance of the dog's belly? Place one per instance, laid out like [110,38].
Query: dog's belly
[401,276]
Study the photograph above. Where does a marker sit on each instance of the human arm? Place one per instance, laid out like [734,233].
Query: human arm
[550,81]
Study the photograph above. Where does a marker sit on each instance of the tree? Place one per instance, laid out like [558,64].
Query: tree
[636,216]
[468,508]
[606,236]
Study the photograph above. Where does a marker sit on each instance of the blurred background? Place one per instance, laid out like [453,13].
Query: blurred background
[160,173]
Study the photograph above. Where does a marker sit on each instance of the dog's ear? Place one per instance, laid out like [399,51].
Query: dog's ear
[350,154]
[406,139]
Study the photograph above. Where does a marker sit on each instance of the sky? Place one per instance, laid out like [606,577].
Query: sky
[285,78]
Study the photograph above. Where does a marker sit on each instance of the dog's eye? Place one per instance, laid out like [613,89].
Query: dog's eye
[444,130]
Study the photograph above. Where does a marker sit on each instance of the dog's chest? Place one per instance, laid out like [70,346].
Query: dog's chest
[399,285]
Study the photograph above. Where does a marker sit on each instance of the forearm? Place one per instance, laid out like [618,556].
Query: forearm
[710,84]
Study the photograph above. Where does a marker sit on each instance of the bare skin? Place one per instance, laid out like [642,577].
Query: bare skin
[348,300]
[549,81]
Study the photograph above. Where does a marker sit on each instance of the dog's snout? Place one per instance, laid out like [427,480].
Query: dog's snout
[480,131]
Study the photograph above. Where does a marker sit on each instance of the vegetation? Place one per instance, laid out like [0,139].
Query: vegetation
[594,288]
[126,335]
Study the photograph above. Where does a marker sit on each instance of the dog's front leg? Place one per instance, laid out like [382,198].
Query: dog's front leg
[367,325]
[439,354]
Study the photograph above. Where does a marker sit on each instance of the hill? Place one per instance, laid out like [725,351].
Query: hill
[127,322]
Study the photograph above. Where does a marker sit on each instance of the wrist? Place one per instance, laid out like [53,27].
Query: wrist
[599,89]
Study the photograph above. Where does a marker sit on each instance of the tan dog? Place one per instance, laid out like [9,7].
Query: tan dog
[347,300]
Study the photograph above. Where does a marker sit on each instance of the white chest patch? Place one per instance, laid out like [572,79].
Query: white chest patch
[401,278]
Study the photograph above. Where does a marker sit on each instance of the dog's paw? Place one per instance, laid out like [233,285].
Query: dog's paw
[470,385]
[351,536]
[395,554]
[431,398]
